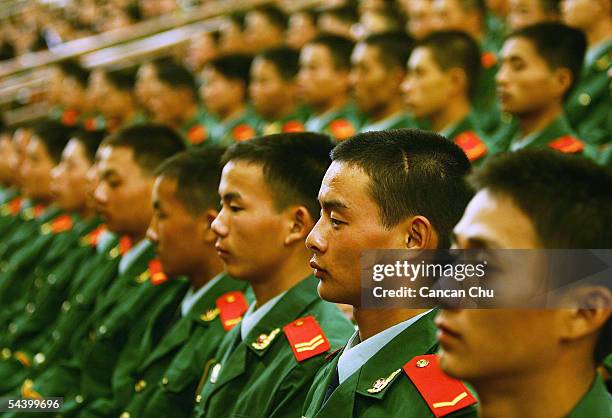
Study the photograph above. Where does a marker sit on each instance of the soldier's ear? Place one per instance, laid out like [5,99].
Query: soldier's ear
[205,226]
[563,80]
[420,234]
[459,82]
[593,308]
[300,224]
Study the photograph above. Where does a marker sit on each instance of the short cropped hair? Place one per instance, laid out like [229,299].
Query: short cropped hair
[412,172]
[285,60]
[174,74]
[394,48]
[197,173]
[150,143]
[293,164]
[123,79]
[273,15]
[90,140]
[234,67]
[455,49]
[54,135]
[73,69]
[559,45]
[339,47]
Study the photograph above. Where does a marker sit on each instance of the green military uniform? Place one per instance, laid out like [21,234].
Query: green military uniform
[293,122]
[206,128]
[596,403]
[557,135]
[395,121]
[496,31]
[588,106]
[468,136]
[267,373]
[381,385]
[164,382]
[68,117]
[485,103]
[340,123]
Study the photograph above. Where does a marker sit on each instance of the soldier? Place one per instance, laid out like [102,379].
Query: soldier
[273,91]
[380,193]
[540,66]
[588,106]
[68,92]
[231,34]
[549,367]
[523,13]
[224,90]
[378,69]
[203,47]
[442,75]
[264,28]
[469,16]
[338,20]
[323,84]
[7,176]
[173,99]
[418,17]
[264,366]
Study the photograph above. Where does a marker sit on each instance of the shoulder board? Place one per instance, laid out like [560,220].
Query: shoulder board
[60,224]
[342,129]
[231,306]
[443,394]
[69,117]
[306,338]
[92,238]
[472,145]
[125,244]
[488,59]
[13,207]
[197,134]
[567,144]
[156,273]
[293,126]
[243,132]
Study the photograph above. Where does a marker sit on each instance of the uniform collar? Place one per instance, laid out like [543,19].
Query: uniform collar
[597,400]
[557,128]
[357,353]
[192,297]
[133,254]
[595,52]
[254,315]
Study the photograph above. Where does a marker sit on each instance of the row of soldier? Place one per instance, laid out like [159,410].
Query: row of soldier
[546,86]
[140,279]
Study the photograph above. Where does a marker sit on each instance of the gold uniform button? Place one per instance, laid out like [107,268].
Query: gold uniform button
[422,363]
[66,306]
[198,398]
[39,358]
[78,399]
[165,381]
[79,298]
[30,308]
[140,385]
[584,99]
[102,330]
[6,353]
[125,415]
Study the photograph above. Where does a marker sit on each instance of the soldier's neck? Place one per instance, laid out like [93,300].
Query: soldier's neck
[188,114]
[334,103]
[374,321]
[232,112]
[283,278]
[283,110]
[454,112]
[391,108]
[598,32]
[211,266]
[538,120]
[545,393]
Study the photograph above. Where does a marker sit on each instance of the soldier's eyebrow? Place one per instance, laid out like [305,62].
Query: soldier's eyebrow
[333,204]
[227,197]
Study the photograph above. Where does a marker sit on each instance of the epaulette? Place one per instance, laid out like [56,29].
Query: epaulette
[342,129]
[197,134]
[33,212]
[231,306]
[293,126]
[125,244]
[70,117]
[156,272]
[92,238]
[60,224]
[567,144]
[472,145]
[488,59]
[306,338]
[243,132]
[443,394]
[27,390]
[12,208]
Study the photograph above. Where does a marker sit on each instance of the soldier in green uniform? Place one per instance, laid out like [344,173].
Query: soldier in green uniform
[540,65]
[68,92]
[442,76]
[264,28]
[469,16]
[323,85]
[126,163]
[365,378]
[588,106]
[173,101]
[265,365]
[273,92]
[523,13]
[548,368]
[7,176]
[228,118]
[378,69]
